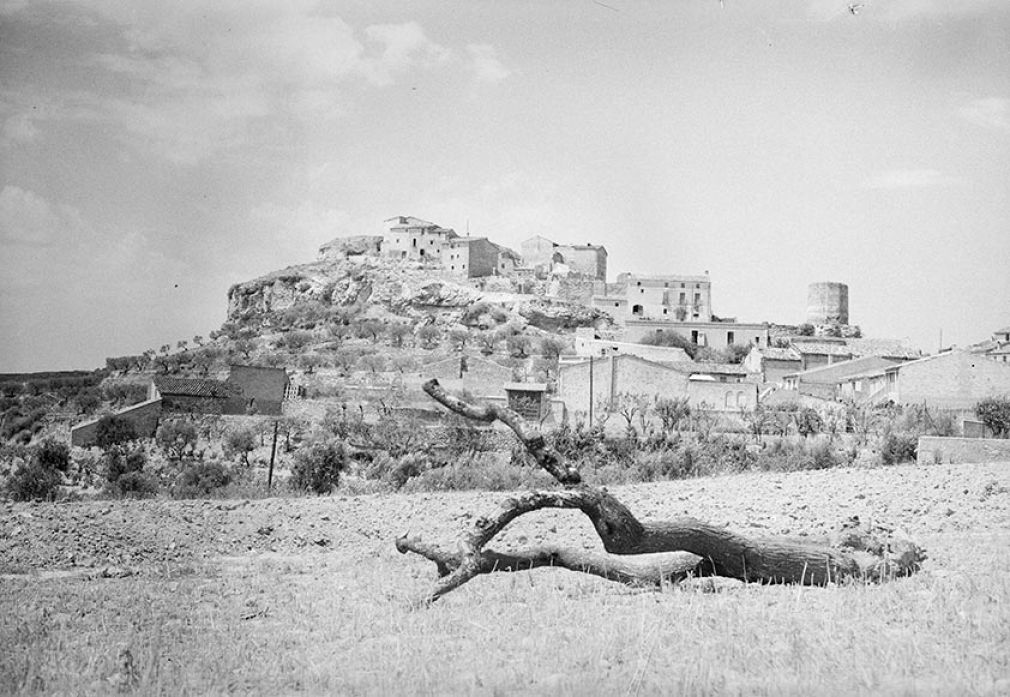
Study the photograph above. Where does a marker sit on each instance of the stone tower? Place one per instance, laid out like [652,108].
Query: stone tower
[828,303]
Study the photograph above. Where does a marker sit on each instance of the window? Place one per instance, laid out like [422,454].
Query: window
[694,336]
[639,283]
[681,285]
[617,304]
[642,290]
[414,240]
[729,338]
[636,310]
[664,310]
[729,400]
[683,298]
[666,285]
[697,298]
[741,401]
[422,252]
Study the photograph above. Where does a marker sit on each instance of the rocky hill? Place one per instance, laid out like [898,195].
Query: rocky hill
[388,289]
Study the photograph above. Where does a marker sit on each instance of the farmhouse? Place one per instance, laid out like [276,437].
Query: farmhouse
[256,390]
[952,380]
[548,256]
[824,382]
[192,395]
[717,387]
[773,363]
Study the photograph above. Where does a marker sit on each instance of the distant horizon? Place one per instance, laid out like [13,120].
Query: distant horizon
[154,154]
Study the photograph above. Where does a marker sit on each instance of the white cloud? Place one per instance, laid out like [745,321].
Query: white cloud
[404,46]
[909,179]
[990,112]
[485,62]
[27,218]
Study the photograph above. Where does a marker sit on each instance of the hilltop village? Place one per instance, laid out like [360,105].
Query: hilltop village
[541,329]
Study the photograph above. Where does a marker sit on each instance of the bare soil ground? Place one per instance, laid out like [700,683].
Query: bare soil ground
[309,595]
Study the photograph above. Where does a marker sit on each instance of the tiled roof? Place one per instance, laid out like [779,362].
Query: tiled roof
[192,387]
[822,348]
[704,368]
[776,353]
[888,348]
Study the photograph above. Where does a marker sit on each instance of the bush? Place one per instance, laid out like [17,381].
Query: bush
[318,465]
[135,485]
[201,479]
[53,454]
[994,412]
[33,481]
[114,430]
[121,460]
[177,438]
[669,337]
[239,442]
[898,447]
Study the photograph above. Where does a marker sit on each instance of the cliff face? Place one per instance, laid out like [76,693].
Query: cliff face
[385,287]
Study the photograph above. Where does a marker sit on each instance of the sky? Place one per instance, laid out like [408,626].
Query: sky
[154,153]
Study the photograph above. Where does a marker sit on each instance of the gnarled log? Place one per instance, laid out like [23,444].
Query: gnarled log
[649,553]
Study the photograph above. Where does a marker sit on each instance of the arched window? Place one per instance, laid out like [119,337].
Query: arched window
[729,400]
[741,400]
[636,310]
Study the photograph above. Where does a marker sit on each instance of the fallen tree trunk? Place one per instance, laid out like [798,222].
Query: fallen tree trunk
[650,553]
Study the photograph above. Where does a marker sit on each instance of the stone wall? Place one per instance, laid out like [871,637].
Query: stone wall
[144,417]
[937,450]
[614,375]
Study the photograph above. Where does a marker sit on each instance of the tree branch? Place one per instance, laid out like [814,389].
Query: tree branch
[662,551]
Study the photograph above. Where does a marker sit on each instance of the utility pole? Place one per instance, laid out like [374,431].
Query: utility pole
[590,391]
[273,452]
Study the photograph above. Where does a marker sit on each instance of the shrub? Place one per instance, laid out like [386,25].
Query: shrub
[201,479]
[239,442]
[177,438]
[898,447]
[135,485]
[994,412]
[33,481]
[669,337]
[318,465]
[114,430]
[53,454]
[120,460]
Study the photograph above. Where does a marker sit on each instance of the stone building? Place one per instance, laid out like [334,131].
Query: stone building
[549,256]
[716,387]
[256,390]
[668,298]
[951,380]
[773,363]
[716,335]
[477,257]
[407,237]
[192,395]
[828,303]
[825,382]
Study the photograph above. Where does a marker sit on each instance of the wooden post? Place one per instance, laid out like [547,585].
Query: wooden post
[590,391]
[273,453]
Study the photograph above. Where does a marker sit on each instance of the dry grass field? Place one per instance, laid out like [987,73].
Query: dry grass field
[308,596]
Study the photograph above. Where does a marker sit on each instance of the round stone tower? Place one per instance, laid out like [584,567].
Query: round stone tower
[828,303]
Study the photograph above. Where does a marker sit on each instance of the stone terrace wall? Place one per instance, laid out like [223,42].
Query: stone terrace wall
[934,449]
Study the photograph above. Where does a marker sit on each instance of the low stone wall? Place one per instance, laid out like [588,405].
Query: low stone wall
[935,450]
